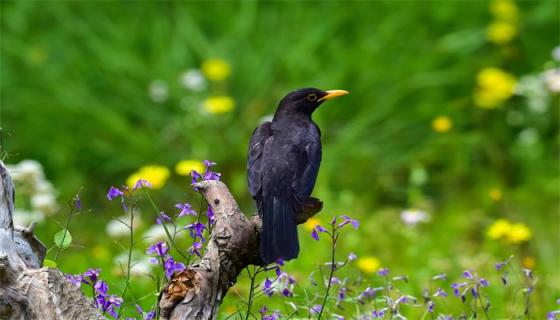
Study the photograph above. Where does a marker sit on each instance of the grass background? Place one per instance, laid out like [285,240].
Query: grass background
[74,96]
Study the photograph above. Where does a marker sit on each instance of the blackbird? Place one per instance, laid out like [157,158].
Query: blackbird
[282,167]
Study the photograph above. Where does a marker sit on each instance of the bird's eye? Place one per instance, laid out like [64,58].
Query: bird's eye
[312,97]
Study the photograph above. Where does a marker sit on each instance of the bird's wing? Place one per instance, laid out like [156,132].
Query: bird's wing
[260,136]
[307,167]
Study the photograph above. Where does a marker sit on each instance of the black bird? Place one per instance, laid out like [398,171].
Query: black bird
[282,167]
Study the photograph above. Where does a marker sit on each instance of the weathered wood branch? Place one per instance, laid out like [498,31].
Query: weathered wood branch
[197,292]
[28,291]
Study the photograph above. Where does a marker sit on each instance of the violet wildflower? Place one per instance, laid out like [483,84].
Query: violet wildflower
[263,310]
[352,256]
[195,177]
[209,174]
[170,267]
[440,293]
[441,276]
[195,248]
[467,274]
[77,202]
[383,272]
[553,315]
[160,249]
[196,229]
[431,305]
[347,220]
[500,265]
[186,209]
[483,282]
[316,309]
[210,214]
[333,221]
[162,218]
[75,279]
[456,287]
[90,276]
[150,315]
[315,233]
[287,293]
[113,193]
[267,287]
[141,183]
[341,295]
[101,287]
[280,262]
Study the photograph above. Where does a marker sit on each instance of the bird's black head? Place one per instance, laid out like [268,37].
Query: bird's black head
[306,100]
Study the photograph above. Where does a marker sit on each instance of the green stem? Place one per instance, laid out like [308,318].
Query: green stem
[251,292]
[65,232]
[334,238]
[129,261]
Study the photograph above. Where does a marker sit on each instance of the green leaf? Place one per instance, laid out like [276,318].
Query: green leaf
[49,263]
[63,239]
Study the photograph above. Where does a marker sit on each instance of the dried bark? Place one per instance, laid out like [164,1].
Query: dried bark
[28,291]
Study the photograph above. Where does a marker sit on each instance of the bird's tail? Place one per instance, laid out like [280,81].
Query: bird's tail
[279,237]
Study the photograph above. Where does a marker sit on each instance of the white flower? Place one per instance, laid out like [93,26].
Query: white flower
[552,79]
[27,170]
[45,203]
[193,79]
[158,91]
[556,53]
[412,217]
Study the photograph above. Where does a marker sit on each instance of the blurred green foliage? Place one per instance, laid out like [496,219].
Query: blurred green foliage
[75,95]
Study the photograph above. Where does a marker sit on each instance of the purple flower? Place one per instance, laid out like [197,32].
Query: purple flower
[90,276]
[483,282]
[552,315]
[315,235]
[195,230]
[441,276]
[456,287]
[500,265]
[333,221]
[78,202]
[150,315]
[195,177]
[170,267]
[348,220]
[101,287]
[160,249]
[267,287]
[383,272]
[74,279]
[211,215]
[113,193]
[162,218]
[341,295]
[186,209]
[195,249]
[287,293]
[379,313]
[352,256]
[467,274]
[141,183]
[208,174]
[280,262]
[440,293]
[263,310]
[316,309]
[431,305]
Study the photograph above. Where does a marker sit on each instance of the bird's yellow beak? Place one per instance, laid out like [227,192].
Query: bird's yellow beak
[333,94]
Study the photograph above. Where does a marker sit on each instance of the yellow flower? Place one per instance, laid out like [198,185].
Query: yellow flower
[499,229]
[505,10]
[184,167]
[442,124]
[216,69]
[310,224]
[494,87]
[368,264]
[156,175]
[100,253]
[219,104]
[529,262]
[495,194]
[501,32]
[519,233]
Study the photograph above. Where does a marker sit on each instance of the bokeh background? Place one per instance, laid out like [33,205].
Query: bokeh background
[446,150]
